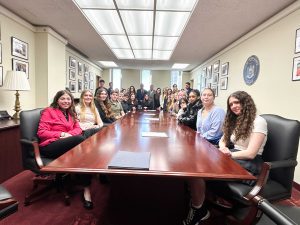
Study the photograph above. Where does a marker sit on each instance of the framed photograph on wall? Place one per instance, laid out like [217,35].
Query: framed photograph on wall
[296,69]
[216,66]
[224,69]
[208,72]
[215,89]
[91,85]
[72,62]
[80,67]
[86,68]
[72,86]
[86,86]
[79,85]
[19,65]
[1,76]
[297,41]
[86,77]
[223,83]
[215,78]
[72,75]
[91,75]
[0,53]
[19,48]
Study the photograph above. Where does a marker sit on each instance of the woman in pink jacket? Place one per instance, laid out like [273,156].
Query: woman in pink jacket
[59,131]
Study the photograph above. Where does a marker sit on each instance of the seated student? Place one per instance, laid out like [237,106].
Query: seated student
[182,107]
[210,118]
[156,99]
[248,133]
[87,114]
[146,103]
[59,131]
[124,102]
[116,106]
[103,106]
[174,107]
[132,103]
[189,118]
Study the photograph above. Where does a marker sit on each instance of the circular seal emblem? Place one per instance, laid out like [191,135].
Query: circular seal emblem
[251,70]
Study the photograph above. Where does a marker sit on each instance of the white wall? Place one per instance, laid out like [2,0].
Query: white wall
[273,43]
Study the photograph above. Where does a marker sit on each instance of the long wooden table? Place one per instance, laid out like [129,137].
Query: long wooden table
[184,153]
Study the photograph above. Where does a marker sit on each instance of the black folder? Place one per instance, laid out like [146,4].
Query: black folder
[130,160]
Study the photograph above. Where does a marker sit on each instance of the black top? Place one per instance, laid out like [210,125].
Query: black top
[189,117]
[125,106]
[102,114]
[148,104]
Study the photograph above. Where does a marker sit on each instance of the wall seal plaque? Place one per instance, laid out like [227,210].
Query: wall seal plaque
[251,70]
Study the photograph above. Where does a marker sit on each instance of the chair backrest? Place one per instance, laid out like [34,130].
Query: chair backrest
[282,144]
[29,123]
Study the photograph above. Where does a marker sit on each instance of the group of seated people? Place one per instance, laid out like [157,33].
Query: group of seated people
[239,132]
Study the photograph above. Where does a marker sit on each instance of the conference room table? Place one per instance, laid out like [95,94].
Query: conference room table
[183,153]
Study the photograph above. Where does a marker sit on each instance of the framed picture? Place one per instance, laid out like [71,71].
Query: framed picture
[215,89]
[208,72]
[1,76]
[72,62]
[296,69]
[0,53]
[72,75]
[19,65]
[86,77]
[216,67]
[86,68]
[224,69]
[80,68]
[91,85]
[79,85]
[223,83]
[19,48]
[215,78]
[91,75]
[297,41]
[72,86]
[86,86]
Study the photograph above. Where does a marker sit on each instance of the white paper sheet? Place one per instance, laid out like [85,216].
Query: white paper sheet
[154,134]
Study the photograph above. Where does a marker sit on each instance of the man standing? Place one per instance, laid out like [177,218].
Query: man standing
[101,85]
[110,89]
[151,93]
[188,88]
[140,94]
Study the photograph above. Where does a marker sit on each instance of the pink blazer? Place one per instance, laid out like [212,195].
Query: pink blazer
[52,123]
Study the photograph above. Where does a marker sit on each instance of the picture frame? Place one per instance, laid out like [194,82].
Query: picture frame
[80,67]
[19,65]
[223,83]
[216,67]
[72,62]
[0,53]
[1,76]
[72,74]
[224,69]
[91,76]
[86,77]
[79,85]
[297,41]
[72,86]
[296,69]
[91,85]
[215,89]
[86,86]
[215,79]
[209,72]
[19,48]
[86,68]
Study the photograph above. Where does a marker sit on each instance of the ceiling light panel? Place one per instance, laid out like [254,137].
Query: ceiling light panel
[105,21]
[140,42]
[123,53]
[164,43]
[103,4]
[135,4]
[179,5]
[108,63]
[161,55]
[116,41]
[137,22]
[179,65]
[142,54]
[170,23]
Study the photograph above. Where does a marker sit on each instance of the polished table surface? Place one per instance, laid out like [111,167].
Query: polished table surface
[184,153]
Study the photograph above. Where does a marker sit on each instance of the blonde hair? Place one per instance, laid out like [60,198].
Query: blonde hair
[83,107]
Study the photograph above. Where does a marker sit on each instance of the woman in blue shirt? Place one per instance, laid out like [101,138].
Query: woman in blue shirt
[210,118]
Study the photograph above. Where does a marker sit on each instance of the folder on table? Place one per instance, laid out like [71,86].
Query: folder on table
[130,160]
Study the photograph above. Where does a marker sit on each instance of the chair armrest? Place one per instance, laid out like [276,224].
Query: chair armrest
[283,163]
[36,149]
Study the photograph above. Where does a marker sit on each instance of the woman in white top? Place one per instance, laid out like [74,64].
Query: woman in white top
[87,114]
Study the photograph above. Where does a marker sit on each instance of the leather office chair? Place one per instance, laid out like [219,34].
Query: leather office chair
[8,204]
[276,178]
[32,159]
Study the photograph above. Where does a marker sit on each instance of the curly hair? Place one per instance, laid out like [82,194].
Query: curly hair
[105,105]
[70,110]
[241,125]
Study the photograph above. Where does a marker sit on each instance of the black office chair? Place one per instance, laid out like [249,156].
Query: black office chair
[276,178]
[33,160]
[8,204]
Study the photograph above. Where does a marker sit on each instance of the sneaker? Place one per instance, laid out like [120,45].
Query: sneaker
[196,215]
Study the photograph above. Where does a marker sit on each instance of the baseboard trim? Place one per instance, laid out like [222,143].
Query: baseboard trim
[296,186]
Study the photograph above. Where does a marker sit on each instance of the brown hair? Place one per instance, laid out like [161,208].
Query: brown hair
[70,110]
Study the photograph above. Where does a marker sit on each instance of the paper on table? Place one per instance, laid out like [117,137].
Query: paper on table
[149,114]
[154,134]
[154,119]
[150,110]
[130,160]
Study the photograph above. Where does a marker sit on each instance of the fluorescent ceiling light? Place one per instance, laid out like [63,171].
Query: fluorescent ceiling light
[137,22]
[123,53]
[139,29]
[135,4]
[116,41]
[141,42]
[179,66]
[108,63]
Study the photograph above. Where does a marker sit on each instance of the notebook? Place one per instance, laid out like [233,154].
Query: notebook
[130,160]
